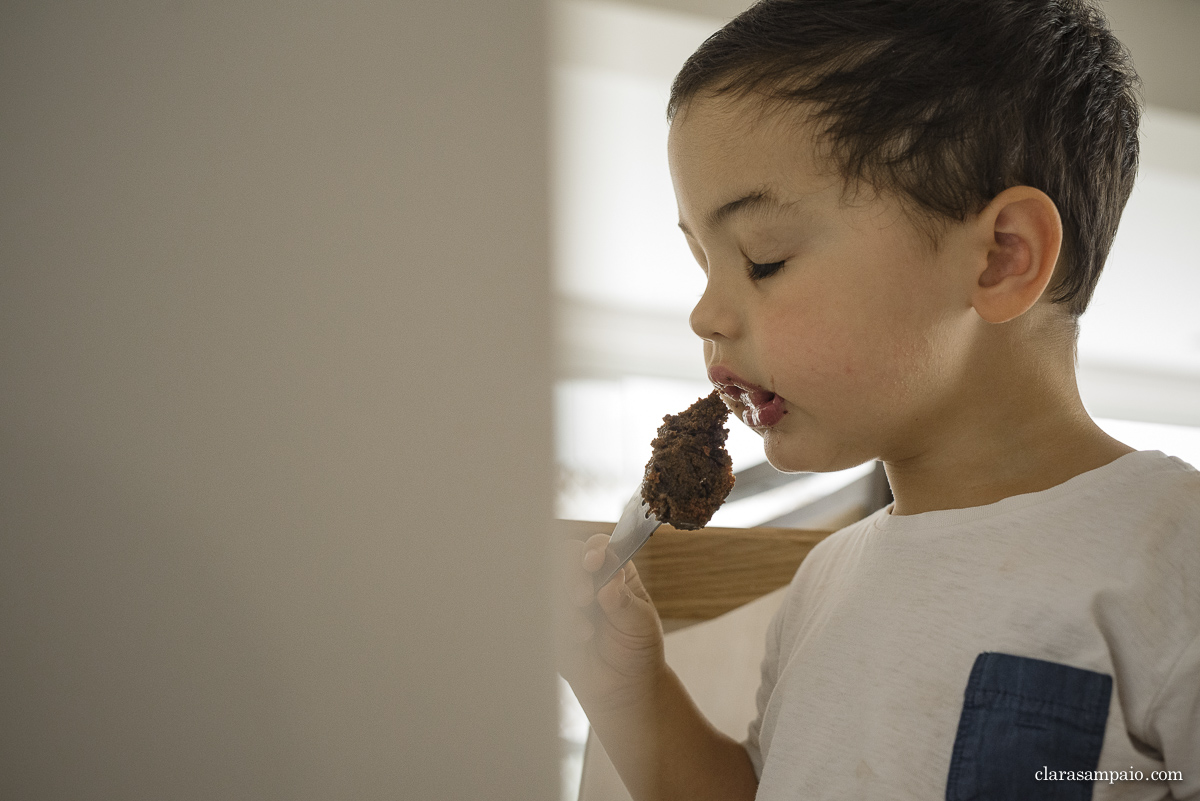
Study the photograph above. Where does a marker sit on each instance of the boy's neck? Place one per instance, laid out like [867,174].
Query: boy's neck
[1021,428]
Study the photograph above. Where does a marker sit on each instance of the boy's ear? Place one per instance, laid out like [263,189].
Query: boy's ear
[1022,234]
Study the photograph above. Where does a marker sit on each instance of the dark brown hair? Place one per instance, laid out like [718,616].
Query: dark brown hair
[947,103]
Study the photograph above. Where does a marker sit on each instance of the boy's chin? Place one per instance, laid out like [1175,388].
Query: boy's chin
[785,456]
[788,456]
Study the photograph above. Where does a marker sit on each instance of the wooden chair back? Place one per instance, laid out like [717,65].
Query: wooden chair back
[698,575]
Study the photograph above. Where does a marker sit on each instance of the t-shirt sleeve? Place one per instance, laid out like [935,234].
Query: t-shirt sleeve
[1174,721]
[769,671]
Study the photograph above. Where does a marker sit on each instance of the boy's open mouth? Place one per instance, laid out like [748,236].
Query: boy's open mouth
[761,408]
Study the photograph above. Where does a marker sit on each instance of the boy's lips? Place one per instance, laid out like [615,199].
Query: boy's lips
[762,408]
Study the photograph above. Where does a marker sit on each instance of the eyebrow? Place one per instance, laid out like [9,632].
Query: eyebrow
[760,199]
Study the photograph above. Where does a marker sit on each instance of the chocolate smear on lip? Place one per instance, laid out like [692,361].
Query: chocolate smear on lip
[689,473]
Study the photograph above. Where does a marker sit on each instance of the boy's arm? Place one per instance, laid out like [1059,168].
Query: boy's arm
[1173,723]
[611,652]
[665,749]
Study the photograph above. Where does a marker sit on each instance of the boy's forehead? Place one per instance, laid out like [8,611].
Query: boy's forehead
[732,126]
[730,152]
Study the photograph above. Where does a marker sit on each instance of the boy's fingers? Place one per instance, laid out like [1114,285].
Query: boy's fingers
[618,603]
[633,581]
[579,560]
[599,539]
[593,554]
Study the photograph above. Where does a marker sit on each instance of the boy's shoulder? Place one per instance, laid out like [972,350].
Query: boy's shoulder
[1142,490]
[1149,507]
[1138,515]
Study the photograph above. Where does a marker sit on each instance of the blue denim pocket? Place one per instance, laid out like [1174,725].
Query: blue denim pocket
[1021,716]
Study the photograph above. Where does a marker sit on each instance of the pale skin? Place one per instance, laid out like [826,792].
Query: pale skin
[949,363]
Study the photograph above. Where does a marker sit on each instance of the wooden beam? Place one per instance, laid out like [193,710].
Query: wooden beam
[698,575]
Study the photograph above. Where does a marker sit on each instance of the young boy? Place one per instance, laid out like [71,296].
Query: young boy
[902,207]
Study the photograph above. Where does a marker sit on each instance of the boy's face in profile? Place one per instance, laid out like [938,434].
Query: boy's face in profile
[863,332]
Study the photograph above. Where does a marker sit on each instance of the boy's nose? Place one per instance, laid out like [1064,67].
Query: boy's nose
[714,317]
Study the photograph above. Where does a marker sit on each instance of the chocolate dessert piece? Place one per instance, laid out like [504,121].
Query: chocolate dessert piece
[690,472]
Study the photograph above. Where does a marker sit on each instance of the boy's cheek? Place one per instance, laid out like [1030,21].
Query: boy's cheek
[845,374]
[814,350]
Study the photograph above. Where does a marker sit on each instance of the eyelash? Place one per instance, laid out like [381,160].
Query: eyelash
[760,271]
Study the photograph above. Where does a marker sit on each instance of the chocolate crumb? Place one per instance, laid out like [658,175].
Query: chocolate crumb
[689,473]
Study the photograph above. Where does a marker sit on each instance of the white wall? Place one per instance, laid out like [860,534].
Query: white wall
[274,401]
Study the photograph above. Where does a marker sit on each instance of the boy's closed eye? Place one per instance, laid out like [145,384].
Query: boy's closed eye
[757,272]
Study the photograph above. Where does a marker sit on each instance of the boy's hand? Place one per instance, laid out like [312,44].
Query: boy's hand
[611,641]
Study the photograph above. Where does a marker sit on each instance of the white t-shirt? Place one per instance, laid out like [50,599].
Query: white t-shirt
[869,658]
